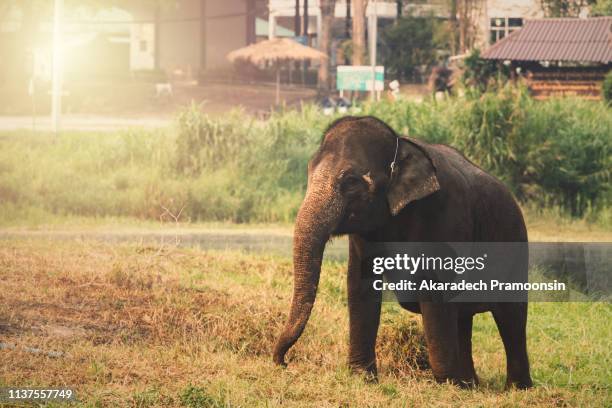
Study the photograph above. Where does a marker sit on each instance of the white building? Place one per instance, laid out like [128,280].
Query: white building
[498,18]
[190,36]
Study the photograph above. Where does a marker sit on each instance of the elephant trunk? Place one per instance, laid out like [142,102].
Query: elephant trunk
[315,221]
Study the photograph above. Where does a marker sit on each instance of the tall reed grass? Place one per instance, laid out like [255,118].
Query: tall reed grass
[235,168]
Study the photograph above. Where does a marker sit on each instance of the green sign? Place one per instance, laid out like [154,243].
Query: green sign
[359,78]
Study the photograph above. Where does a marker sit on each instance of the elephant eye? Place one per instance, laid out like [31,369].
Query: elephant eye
[351,182]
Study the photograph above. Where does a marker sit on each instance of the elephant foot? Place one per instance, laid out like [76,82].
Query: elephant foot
[467,378]
[468,383]
[522,384]
[370,377]
[279,359]
[462,382]
[368,372]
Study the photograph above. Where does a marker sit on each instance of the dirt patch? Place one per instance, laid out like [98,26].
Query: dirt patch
[136,296]
[114,102]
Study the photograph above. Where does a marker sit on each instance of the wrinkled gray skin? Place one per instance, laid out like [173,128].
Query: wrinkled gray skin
[435,195]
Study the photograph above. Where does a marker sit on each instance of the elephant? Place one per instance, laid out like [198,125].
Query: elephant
[367,182]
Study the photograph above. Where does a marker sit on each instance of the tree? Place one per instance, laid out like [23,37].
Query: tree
[602,8]
[410,43]
[359,8]
[306,63]
[296,21]
[327,21]
[348,19]
[606,88]
[564,8]
[453,26]
[305,24]
[478,72]
[467,13]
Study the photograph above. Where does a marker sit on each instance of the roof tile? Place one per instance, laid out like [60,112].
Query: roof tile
[557,39]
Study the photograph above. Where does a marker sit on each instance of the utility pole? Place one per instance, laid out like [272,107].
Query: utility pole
[56,89]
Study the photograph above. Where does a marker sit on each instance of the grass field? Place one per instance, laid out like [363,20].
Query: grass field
[145,326]
[543,226]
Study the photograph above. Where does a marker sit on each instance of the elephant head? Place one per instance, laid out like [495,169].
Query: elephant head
[352,188]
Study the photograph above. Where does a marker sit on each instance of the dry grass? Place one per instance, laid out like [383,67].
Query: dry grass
[160,326]
[552,227]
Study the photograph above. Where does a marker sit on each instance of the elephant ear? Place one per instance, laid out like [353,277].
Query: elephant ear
[414,175]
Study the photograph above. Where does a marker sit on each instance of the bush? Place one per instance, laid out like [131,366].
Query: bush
[606,88]
[206,142]
[479,73]
[555,152]
[601,8]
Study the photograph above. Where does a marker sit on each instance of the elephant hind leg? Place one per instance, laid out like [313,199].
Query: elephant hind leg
[440,326]
[511,320]
[467,373]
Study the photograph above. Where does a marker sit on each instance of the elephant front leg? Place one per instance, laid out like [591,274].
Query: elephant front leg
[364,314]
[467,373]
[440,322]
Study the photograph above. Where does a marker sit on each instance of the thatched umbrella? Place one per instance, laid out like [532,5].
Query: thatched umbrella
[276,51]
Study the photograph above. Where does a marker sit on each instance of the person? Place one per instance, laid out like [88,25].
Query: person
[394,90]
